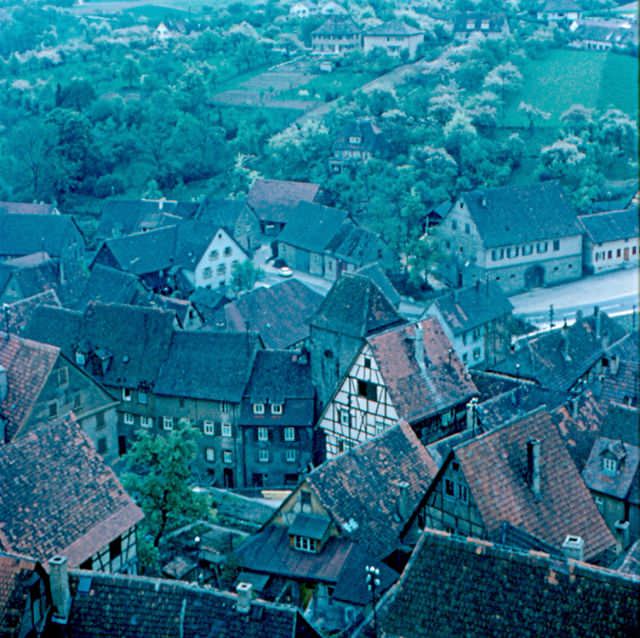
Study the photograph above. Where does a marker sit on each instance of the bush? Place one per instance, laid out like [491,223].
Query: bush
[108,185]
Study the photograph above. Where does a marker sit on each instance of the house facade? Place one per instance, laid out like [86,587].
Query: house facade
[338,36]
[491,26]
[409,372]
[393,37]
[521,237]
[216,266]
[611,240]
[356,143]
[560,11]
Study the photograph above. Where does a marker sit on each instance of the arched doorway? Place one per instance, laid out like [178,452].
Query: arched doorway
[534,277]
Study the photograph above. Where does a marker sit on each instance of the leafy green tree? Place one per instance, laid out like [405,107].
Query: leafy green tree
[159,476]
[577,120]
[245,275]
[533,114]
[130,72]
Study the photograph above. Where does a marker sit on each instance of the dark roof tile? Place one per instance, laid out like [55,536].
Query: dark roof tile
[611,226]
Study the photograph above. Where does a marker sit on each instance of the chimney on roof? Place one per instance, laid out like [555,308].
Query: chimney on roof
[60,595]
[573,547]
[403,500]
[418,348]
[622,533]
[533,465]
[245,594]
[472,414]
[574,406]
[598,321]
[4,383]
[614,365]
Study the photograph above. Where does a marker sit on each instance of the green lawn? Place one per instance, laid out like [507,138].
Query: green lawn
[565,77]
[332,85]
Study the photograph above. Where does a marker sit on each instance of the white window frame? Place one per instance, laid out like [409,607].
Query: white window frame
[210,454]
[146,422]
[126,394]
[263,434]
[344,416]
[610,465]
[263,455]
[129,418]
[167,423]
[227,430]
[208,428]
[227,456]
[258,408]
[276,408]
[289,434]
[291,455]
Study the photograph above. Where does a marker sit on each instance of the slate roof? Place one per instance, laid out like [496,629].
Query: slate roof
[494,466]
[280,376]
[464,586]
[223,213]
[16,576]
[497,22]
[109,285]
[278,313]
[355,245]
[520,214]
[361,488]
[369,134]
[419,390]
[31,279]
[312,227]
[27,208]
[122,217]
[356,307]
[541,358]
[611,226]
[27,234]
[271,198]
[213,366]
[337,26]
[134,340]
[106,605]
[474,306]
[393,28]
[57,495]
[376,273]
[625,483]
[28,365]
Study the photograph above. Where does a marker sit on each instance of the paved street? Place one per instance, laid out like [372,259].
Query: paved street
[615,293]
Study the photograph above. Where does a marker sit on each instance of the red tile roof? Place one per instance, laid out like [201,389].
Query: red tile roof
[57,496]
[17,314]
[28,365]
[278,191]
[420,391]
[495,468]
[14,571]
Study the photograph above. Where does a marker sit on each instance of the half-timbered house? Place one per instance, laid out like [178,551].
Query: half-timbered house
[409,372]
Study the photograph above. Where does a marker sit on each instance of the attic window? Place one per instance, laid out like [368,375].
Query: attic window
[213,255]
[484,24]
[227,251]
[355,139]
[305,544]
[367,390]
[126,394]
[276,408]
[367,362]
[63,377]
[258,408]
[609,465]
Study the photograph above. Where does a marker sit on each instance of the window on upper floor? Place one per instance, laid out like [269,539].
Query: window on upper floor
[609,465]
[227,251]
[527,250]
[263,455]
[53,408]
[222,269]
[276,408]
[227,430]
[355,139]
[467,229]
[167,423]
[209,455]
[291,455]
[207,273]
[542,246]
[258,408]
[213,255]
[305,544]
[129,419]
[62,377]
[556,244]
[368,390]
[263,434]
[449,488]
[102,445]
[143,397]
[126,394]
[115,548]
[343,416]
[367,362]
[208,428]
[289,434]
[146,421]
[225,407]
[454,224]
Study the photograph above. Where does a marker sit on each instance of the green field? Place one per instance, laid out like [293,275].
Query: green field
[330,85]
[565,77]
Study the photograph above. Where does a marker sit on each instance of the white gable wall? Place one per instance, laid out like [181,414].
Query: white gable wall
[215,268]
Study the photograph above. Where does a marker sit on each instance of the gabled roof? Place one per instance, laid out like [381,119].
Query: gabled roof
[27,234]
[222,212]
[361,489]
[312,226]
[213,366]
[495,468]
[133,341]
[393,28]
[468,308]
[109,285]
[420,389]
[266,196]
[31,279]
[542,357]
[619,484]
[465,586]
[57,495]
[127,605]
[611,226]
[28,365]
[368,134]
[262,310]
[518,214]
[16,315]
[376,273]
[278,375]
[356,245]
[339,26]
[356,307]
[16,580]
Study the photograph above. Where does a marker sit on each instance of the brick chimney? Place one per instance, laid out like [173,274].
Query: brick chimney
[573,547]
[565,342]
[4,383]
[597,321]
[245,594]
[403,500]
[472,414]
[60,595]
[533,465]
[419,349]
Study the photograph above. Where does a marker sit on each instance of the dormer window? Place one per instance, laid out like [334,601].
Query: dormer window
[471,24]
[276,408]
[126,394]
[609,465]
[305,544]
[258,408]
[308,532]
[484,25]
[355,139]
